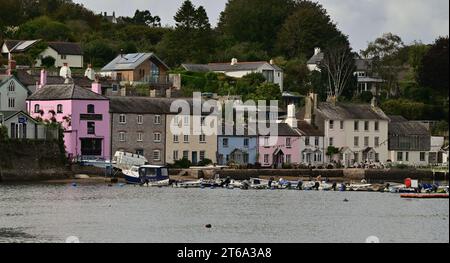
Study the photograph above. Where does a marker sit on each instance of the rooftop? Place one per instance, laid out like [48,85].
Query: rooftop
[228,67]
[65,92]
[350,111]
[130,61]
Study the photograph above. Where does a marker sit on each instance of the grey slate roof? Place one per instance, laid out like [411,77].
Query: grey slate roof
[142,105]
[196,67]
[316,59]
[307,129]
[285,130]
[227,67]
[397,118]
[408,128]
[66,48]
[65,92]
[130,61]
[348,111]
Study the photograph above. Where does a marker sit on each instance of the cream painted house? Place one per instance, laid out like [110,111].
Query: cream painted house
[358,131]
[186,145]
[63,52]
[236,69]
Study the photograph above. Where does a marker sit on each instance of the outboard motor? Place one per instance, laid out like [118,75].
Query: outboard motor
[300,185]
[316,186]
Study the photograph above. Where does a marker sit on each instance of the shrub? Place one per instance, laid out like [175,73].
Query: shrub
[3,133]
[183,164]
[205,162]
[48,62]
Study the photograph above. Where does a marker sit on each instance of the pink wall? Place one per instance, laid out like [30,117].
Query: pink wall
[294,150]
[78,128]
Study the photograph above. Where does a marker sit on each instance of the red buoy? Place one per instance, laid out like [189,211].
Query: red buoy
[408,182]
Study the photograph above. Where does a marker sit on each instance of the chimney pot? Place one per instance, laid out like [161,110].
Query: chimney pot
[96,87]
[11,66]
[317,50]
[43,79]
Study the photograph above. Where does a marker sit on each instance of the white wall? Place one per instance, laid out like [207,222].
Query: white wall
[72,60]
[20,95]
[413,158]
[345,137]
[30,126]
[312,147]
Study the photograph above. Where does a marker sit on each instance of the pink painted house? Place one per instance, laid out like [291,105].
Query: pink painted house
[83,113]
[274,151]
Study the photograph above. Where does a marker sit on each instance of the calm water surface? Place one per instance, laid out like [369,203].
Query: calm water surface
[98,213]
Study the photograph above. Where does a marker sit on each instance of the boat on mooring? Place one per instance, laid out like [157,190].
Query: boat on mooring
[148,175]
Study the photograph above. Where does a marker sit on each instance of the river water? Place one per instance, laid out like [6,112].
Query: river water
[98,213]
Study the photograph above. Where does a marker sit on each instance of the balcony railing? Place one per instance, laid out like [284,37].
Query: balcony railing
[156,80]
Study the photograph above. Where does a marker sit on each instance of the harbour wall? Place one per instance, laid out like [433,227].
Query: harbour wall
[394,175]
[31,160]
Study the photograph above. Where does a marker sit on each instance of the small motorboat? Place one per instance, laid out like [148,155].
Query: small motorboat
[256,183]
[148,175]
[189,184]
[360,187]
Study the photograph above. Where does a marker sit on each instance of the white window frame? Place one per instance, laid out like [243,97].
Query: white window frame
[156,155]
[140,119]
[157,119]
[140,137]
[176,138]
[123,119]
[157,137]
[122,136]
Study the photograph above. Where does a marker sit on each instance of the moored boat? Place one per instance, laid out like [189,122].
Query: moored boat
[149,175]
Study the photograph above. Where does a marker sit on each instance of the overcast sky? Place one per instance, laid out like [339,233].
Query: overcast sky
[361,20]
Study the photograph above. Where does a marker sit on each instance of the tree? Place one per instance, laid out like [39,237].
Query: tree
[48,62]
[307,28]
[143,18]
[339,64]
[98,52]
[44,28]
[185,18]
[254,21]
[416,53]
[266,91]
[434,70]
[192,40]
[384,53]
